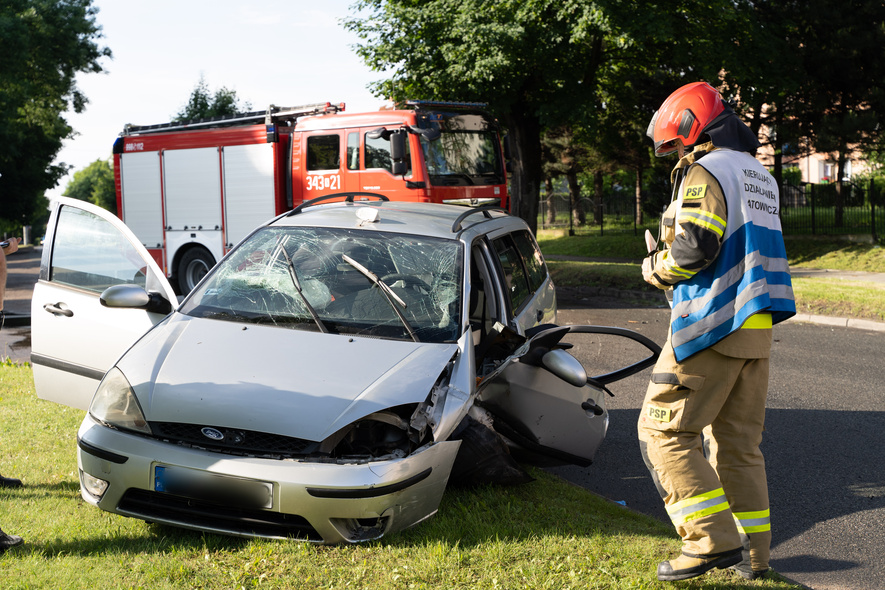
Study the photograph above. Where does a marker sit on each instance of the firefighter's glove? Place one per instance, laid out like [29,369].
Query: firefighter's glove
[651,269]
[648,269]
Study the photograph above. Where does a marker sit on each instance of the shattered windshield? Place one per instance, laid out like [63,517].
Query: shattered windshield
[342,281]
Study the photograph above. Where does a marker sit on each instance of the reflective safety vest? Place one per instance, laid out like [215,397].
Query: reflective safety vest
[750,274]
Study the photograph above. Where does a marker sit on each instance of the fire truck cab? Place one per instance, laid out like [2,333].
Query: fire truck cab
[191,190]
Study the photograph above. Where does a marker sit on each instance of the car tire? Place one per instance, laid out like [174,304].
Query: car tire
[192,267]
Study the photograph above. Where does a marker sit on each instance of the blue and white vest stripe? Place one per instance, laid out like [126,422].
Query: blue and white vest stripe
[750,274]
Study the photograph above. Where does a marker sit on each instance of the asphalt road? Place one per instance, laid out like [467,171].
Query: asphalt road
[823,443]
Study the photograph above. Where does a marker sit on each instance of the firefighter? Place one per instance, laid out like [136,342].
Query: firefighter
[725,264]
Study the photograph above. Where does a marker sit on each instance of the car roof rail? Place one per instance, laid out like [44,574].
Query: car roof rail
[486,211]
[349,197]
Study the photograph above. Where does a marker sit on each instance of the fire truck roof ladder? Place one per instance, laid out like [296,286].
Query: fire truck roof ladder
[446,104]
[272,114]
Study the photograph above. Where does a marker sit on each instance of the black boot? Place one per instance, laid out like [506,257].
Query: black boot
[9,482]
[745,569]
[7,541]
[689,565]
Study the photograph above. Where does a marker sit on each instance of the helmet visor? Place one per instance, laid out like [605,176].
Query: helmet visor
[667,136]
[665,148]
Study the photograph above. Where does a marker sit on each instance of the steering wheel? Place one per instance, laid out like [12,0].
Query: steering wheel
[407,279]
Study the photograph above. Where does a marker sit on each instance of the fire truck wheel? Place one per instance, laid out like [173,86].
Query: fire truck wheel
[192,267]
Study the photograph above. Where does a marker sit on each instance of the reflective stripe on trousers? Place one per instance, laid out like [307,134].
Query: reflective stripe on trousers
[697,506]
[753,522]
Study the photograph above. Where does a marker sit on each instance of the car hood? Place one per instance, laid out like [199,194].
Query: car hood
[289,382]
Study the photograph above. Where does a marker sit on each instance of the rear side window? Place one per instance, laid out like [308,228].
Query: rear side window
[523,266]
[323,152]
[531,255]
[514,272]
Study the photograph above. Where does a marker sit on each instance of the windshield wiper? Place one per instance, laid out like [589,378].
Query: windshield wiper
[297,284]
[391,297]
[229,316]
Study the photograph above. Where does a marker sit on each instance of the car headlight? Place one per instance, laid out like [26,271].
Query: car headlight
[386,433]
[115,404]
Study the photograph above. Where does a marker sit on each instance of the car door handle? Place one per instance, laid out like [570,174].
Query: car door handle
[58,309]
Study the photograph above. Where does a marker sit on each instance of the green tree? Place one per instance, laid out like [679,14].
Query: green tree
[94,183]
[204,104]
[844,101]
[540,63]
[45,43]
[520,57]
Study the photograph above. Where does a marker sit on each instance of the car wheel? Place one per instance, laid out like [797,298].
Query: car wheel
[192,267]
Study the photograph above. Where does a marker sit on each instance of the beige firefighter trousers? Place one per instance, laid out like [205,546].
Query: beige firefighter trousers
[699,429]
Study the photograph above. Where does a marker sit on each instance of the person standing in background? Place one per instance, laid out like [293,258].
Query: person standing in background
[6,540]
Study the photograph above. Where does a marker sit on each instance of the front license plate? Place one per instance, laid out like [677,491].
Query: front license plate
[210,487]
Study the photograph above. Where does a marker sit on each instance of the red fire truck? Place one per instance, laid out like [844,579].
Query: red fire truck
[192,190]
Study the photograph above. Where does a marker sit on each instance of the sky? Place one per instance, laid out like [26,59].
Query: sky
[281,52]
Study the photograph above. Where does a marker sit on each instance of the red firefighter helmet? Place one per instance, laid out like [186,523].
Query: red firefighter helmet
[683,117]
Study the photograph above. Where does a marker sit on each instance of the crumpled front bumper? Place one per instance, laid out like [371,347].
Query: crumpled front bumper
[319,502]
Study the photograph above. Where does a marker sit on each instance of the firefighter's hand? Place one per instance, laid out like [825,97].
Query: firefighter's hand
[648,268]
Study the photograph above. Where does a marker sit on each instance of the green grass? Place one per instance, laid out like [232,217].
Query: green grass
[831,297]
[835,254]
[625,276]
[614,245]
[805,252]
[834,297]
[545,534]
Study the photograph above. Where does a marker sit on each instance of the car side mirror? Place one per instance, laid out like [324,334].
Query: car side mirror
[134,297]
[397,145]
[565,366]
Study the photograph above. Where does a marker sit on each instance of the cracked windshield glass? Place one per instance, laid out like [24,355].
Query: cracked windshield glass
[340,281]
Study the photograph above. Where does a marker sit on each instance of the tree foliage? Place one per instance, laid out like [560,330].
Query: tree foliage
[805,71]
[203,103]
[94,183]
[45,43]
[538,63]
[844,101]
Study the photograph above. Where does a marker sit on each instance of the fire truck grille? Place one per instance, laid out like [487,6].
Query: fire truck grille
[229,519]
[233,440]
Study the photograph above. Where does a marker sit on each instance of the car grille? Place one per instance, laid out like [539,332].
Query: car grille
[234,441]
[170,509]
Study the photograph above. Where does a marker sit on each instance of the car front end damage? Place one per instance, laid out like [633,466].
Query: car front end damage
[321,501]
[378,474]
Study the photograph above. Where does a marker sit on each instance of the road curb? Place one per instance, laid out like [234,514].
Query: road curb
[824,320]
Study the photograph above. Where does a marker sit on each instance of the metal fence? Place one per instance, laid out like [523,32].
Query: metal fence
[616,214]
[809,209]
[828,210]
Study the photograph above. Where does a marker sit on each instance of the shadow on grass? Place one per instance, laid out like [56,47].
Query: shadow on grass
[157,539]
[468,516]
[42,490]
[545,507]
[468,519]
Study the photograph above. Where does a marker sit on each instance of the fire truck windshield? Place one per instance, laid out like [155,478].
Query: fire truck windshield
[466,153]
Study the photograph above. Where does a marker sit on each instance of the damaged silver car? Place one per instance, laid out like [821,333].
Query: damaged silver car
[326,380]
